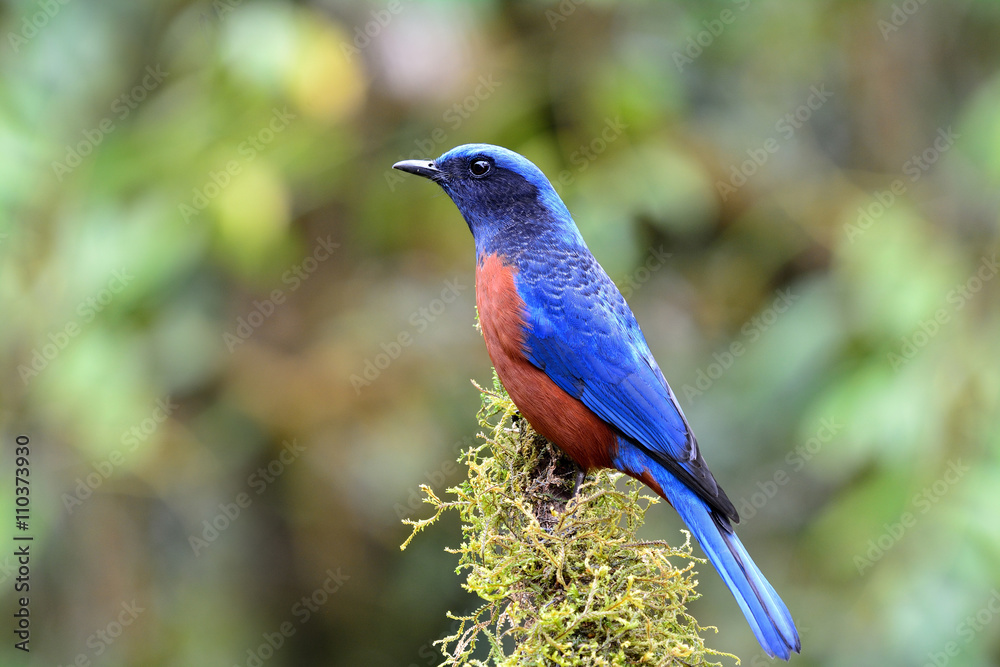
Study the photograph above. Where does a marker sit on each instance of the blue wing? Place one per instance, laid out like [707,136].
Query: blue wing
[582,334]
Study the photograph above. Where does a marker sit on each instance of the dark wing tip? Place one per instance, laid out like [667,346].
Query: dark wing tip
[695,474]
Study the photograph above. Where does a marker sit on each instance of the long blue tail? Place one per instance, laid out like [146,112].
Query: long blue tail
[765,612]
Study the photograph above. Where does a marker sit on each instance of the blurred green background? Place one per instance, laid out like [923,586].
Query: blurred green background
[238,341]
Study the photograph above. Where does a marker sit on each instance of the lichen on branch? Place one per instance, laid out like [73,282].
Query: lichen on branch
[563,579]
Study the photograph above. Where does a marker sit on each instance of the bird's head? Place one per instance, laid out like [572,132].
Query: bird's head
[494,188]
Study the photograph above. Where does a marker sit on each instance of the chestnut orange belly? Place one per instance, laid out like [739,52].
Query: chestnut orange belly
[548,408]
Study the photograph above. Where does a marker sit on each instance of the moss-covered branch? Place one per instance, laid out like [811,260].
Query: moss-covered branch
[564,579]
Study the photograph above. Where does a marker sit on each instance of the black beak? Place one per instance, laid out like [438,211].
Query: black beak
[425,168]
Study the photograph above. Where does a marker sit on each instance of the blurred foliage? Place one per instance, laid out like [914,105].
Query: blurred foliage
[202,242]
[563,577]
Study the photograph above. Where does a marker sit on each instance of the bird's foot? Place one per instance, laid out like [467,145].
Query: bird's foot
[581,475]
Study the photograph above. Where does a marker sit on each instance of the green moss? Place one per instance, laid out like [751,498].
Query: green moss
[564,580]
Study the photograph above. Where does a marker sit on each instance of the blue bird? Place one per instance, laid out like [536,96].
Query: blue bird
[571,355]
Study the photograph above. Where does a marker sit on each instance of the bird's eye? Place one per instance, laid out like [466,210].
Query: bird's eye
[480,167]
